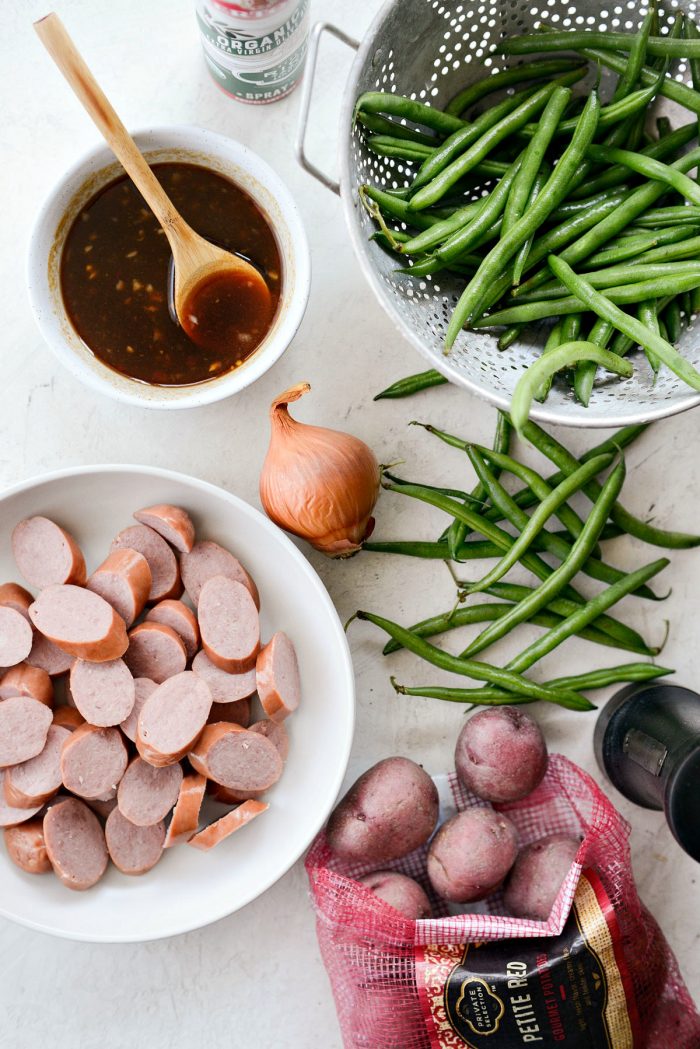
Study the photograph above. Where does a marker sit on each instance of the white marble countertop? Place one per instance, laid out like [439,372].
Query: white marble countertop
[216,987]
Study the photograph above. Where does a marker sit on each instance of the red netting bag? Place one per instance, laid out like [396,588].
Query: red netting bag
[597,975]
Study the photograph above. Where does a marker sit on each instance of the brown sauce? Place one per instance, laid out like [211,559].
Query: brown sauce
[114,279]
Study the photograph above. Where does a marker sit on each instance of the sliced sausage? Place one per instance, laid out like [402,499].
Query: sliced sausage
[46,554]
[225,687]
[24,726]
[49,657]
[26,847]
[185,819]
[156,652]
[24,680]
[124,581]
[93,761]
[236,758]
[237,713]
[12,595]
[80,622]
[68,717]
[171,522]
[227,825]
[147,794]
[16,637]
[276,733]
[227,796]
[101,806]
[179,618]
[143,689]
[10,816]
[277,677]
[229,624]
[172,718]
[208,559]
[35,781]
[133,850]
[165,573]
[104,693]
[75,844]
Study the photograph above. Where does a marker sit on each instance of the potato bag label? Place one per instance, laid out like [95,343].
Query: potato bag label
[572,990]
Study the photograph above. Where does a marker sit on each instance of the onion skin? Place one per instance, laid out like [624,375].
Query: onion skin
[318,484]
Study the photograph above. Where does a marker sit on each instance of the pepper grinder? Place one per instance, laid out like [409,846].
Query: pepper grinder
[647,741]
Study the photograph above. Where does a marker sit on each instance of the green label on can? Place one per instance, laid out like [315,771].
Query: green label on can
[259,85]
[238,42]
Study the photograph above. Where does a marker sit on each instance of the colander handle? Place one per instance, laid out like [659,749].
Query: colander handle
[307,89]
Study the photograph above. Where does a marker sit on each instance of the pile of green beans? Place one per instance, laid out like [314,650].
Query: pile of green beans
[555,603]
[566,216]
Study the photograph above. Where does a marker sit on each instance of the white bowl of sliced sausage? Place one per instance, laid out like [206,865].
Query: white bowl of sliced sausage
[176,703]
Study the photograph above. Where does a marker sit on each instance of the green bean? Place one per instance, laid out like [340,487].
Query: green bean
[564,573]
[433,551]
[379,125]
[645,165]
[475,499]
[657,218]
[457,531]
[475,669]
[611,676]
[615,276]
[647,315]
[691,32]
[398,148]
[663,127]
[584,375]
[554,339]
[471,234]
[487,697]
[609,115]
[398,106]
[583,39]
[428,264]
[509,336]
[612,177]
[497,81]
[636,58]
[397,208]
[553,193]
[672,320]
[412,384]
[521,256]
[573,207]
[652,246]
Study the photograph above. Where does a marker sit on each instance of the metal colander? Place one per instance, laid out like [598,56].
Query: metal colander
[428,50]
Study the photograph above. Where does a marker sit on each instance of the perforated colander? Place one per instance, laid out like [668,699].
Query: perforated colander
[428,50]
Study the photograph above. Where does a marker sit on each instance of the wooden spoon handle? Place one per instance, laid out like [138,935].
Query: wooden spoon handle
[58,43]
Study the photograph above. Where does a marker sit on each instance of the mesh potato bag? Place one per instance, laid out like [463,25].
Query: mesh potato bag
[597,975]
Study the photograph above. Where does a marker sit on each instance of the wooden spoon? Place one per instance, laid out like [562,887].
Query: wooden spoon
[199,265]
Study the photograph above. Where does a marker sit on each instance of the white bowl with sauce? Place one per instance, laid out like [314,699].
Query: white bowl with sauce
[88,176]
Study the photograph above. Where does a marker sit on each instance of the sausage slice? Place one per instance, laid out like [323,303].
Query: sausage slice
[171,522]
[124,581]
[26,847]
[16,637]
[104,693]
[237,713]
[24,726]
[277,677]
[276,733]
[165,573]
[227,796]
[49,657]
[15,596]
[227,825]
[93,761]
[134,850]
[146,794]
[156,652]
[80,622]
[186,815]
[143,688]
[225,687]
[172,718]
[75,844]
[179,618]
[46,554]
[208,559]
[24,680]
[229,624]
[35,781]
[68,717]
[236,758]
[9,815]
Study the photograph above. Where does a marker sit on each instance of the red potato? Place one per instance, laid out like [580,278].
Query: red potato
[236,758]
[16,637]
[143,687]
[133,850]
[185,819]
[401,892]
[538,875]
[146,794]
[236,713]
[471,854]
[208,559]
[156,652]
[172,719]
[171,522]
[75,844]
[49,657]
[35,781]
[227,825]
[179,618]
[80,622]
[276,733]
[24,726]
[165,572]
[93,761]
[26,846]
[387,813]
[124,580]
[225,687]
[68,717]
[12,595]
[9,815]
[229,624]
[501,754]
[46,554]
[24,680]
[104,693]
[277,677]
